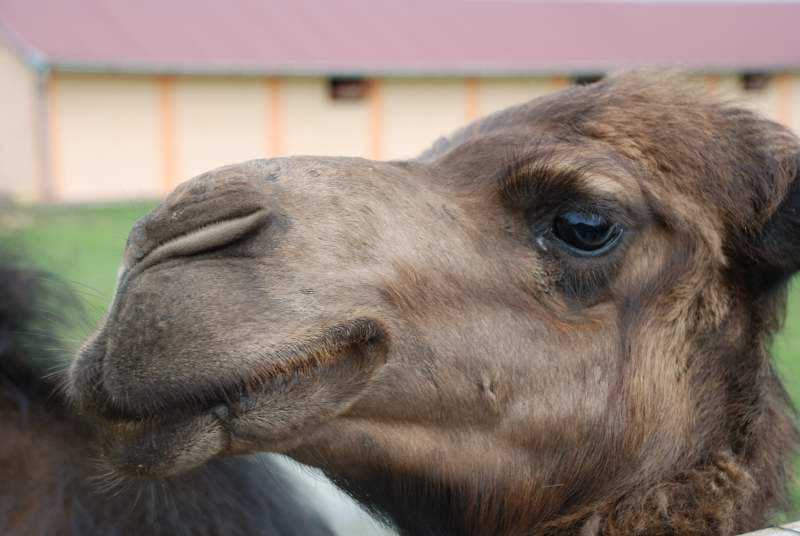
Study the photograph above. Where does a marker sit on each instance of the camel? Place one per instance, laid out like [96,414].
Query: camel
[52,479]
[554,321]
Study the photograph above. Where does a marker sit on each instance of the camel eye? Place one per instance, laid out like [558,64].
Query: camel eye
[586,233]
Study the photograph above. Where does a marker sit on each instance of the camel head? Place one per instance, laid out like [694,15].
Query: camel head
[556,316]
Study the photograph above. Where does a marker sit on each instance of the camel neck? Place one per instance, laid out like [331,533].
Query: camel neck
[710,498]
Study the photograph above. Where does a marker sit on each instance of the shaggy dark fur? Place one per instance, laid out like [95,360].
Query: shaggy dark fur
[50,483]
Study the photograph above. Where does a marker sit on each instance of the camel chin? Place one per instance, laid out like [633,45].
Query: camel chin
[155,449]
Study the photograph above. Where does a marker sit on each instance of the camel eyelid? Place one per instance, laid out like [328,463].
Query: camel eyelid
[541,212]
[525,183]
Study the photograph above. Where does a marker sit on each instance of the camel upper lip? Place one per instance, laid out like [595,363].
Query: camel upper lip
[232,393]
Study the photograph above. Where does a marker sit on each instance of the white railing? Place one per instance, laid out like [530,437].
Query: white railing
[780,530]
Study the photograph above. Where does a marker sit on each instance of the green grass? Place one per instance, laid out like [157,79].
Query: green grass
[80,244]
[83,245]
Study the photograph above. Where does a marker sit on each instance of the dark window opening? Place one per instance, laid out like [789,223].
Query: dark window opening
[348,88]
[754,81]
[586,79]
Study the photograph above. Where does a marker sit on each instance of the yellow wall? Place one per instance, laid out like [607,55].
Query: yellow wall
[771,101]
[793,114]
[219,121]
[118,137]
[417,112]
[106,138]
[20,172]
[317,124]
[499,93]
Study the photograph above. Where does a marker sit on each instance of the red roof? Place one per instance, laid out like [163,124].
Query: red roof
[403,37]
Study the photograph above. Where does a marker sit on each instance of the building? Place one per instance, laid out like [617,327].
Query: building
[107,100]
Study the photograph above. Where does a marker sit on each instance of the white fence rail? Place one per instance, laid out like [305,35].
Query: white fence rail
[781,530]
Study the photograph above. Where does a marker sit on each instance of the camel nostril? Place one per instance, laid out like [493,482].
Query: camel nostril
[209,236]
[202,213]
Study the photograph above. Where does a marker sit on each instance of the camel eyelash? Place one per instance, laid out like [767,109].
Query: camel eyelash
[543,186]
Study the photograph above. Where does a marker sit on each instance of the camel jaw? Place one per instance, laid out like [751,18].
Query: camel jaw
[275,409]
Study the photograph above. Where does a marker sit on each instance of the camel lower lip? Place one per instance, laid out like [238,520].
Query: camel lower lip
[298,362]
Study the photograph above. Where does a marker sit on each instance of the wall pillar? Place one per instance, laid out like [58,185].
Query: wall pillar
[376,120]
[166,104]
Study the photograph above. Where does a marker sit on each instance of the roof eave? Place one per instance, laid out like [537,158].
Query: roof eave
[372,71]
[32,56]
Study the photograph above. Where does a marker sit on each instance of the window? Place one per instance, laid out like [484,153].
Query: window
[348,89]
[754,81]
[585,79]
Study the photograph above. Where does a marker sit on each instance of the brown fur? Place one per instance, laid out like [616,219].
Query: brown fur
[460,370]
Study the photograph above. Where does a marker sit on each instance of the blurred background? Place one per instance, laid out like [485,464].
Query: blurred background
[106,105]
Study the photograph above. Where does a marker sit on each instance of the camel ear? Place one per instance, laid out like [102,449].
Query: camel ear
[777,245]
